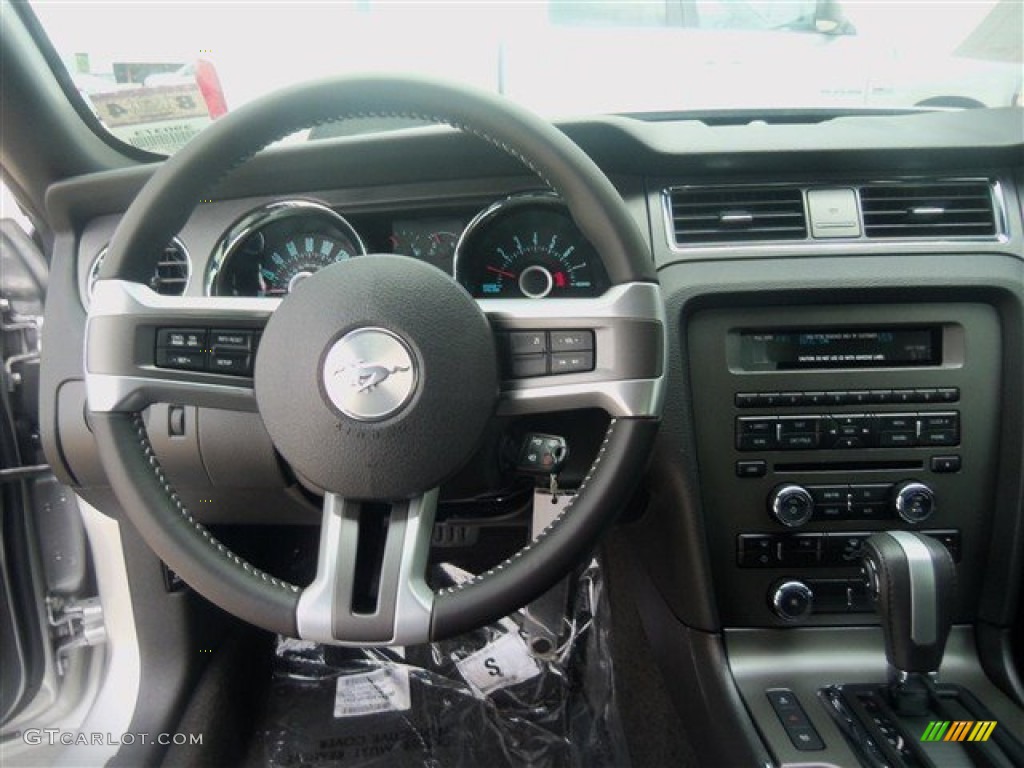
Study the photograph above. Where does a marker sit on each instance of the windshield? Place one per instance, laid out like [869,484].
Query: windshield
[156,73]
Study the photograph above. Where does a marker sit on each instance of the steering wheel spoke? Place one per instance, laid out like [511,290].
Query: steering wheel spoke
[370,586]
[566,354]
[142,348]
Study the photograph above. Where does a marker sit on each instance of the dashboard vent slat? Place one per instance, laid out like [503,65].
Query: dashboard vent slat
[172,270]
[928,209]
[737,214]
[170,278]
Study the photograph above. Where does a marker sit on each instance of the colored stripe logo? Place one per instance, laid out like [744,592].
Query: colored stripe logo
[958,730]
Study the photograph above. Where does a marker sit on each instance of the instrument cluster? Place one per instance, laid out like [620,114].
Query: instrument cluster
[524,246]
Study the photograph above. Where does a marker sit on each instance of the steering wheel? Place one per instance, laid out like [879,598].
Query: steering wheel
[390,388]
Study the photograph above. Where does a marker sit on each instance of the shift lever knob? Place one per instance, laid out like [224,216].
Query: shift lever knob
[912,577]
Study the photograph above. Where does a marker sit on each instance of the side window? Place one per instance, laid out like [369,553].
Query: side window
[750,15]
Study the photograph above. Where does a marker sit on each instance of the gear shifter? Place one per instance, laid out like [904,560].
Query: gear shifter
[912,577]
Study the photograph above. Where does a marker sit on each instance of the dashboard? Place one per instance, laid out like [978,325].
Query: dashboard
[845,305]
[525,245]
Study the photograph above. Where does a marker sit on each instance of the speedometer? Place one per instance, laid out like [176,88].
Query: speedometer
[273,249]
[528,246]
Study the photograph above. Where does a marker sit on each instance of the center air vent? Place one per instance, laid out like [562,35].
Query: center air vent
[928,209]
[737,214]
[170,276]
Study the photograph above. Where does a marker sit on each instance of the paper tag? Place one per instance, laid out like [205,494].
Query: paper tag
[502,663]
[547,507]
[382,690]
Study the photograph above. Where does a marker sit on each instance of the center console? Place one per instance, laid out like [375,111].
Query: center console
[819,425]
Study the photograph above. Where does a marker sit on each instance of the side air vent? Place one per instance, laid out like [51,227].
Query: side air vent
[736,214]
[170,277]
[928,209]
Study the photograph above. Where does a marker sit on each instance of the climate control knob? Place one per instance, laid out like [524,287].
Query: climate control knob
[792,600]
[914,502]
[791,505]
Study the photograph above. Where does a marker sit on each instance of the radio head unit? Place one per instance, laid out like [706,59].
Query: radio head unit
[825,348]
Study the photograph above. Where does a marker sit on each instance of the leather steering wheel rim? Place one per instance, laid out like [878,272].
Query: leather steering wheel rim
[162,208]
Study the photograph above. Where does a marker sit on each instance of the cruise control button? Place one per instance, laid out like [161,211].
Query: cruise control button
[181,338]
[571,341]
[241,340]
[572,362]
[181,360]
[236,365]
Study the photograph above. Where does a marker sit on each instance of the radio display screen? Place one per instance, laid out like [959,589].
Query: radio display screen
[800,349]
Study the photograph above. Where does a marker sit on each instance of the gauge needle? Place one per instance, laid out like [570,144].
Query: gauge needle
[501,272]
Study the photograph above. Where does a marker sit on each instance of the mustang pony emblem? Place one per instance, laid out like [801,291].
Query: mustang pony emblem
[366,376]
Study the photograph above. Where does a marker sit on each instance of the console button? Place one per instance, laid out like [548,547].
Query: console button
[831,511]
[791,505]
[798,442]
[926,395]
[948,394]
[896,422]
[789,425]
[877,493]
[751,468]
[805,738]
[881,396]
[945,464]
[756,551]
[755,442]
[180,360]
[814,398]
[939,437]
[746,399]
[836,398]
[829,494]
[755,426]
[800,549]
[791,398]
[767,399]
[903,396]
[792,600]
[782,698]
[939,421]
[950,540]
[862,511]
[859,397]
[897,439]
[842,548]
[571,341]
[572,362]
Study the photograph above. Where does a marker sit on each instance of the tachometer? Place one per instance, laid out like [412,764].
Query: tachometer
[527,246]
[271,250]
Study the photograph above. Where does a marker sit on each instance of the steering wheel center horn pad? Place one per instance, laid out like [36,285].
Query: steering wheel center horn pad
[376,377]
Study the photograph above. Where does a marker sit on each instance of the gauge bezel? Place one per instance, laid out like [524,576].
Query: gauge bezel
[254,220]
[511,202]
[97,262]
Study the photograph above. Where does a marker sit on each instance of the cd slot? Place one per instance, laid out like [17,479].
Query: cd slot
[847,466]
